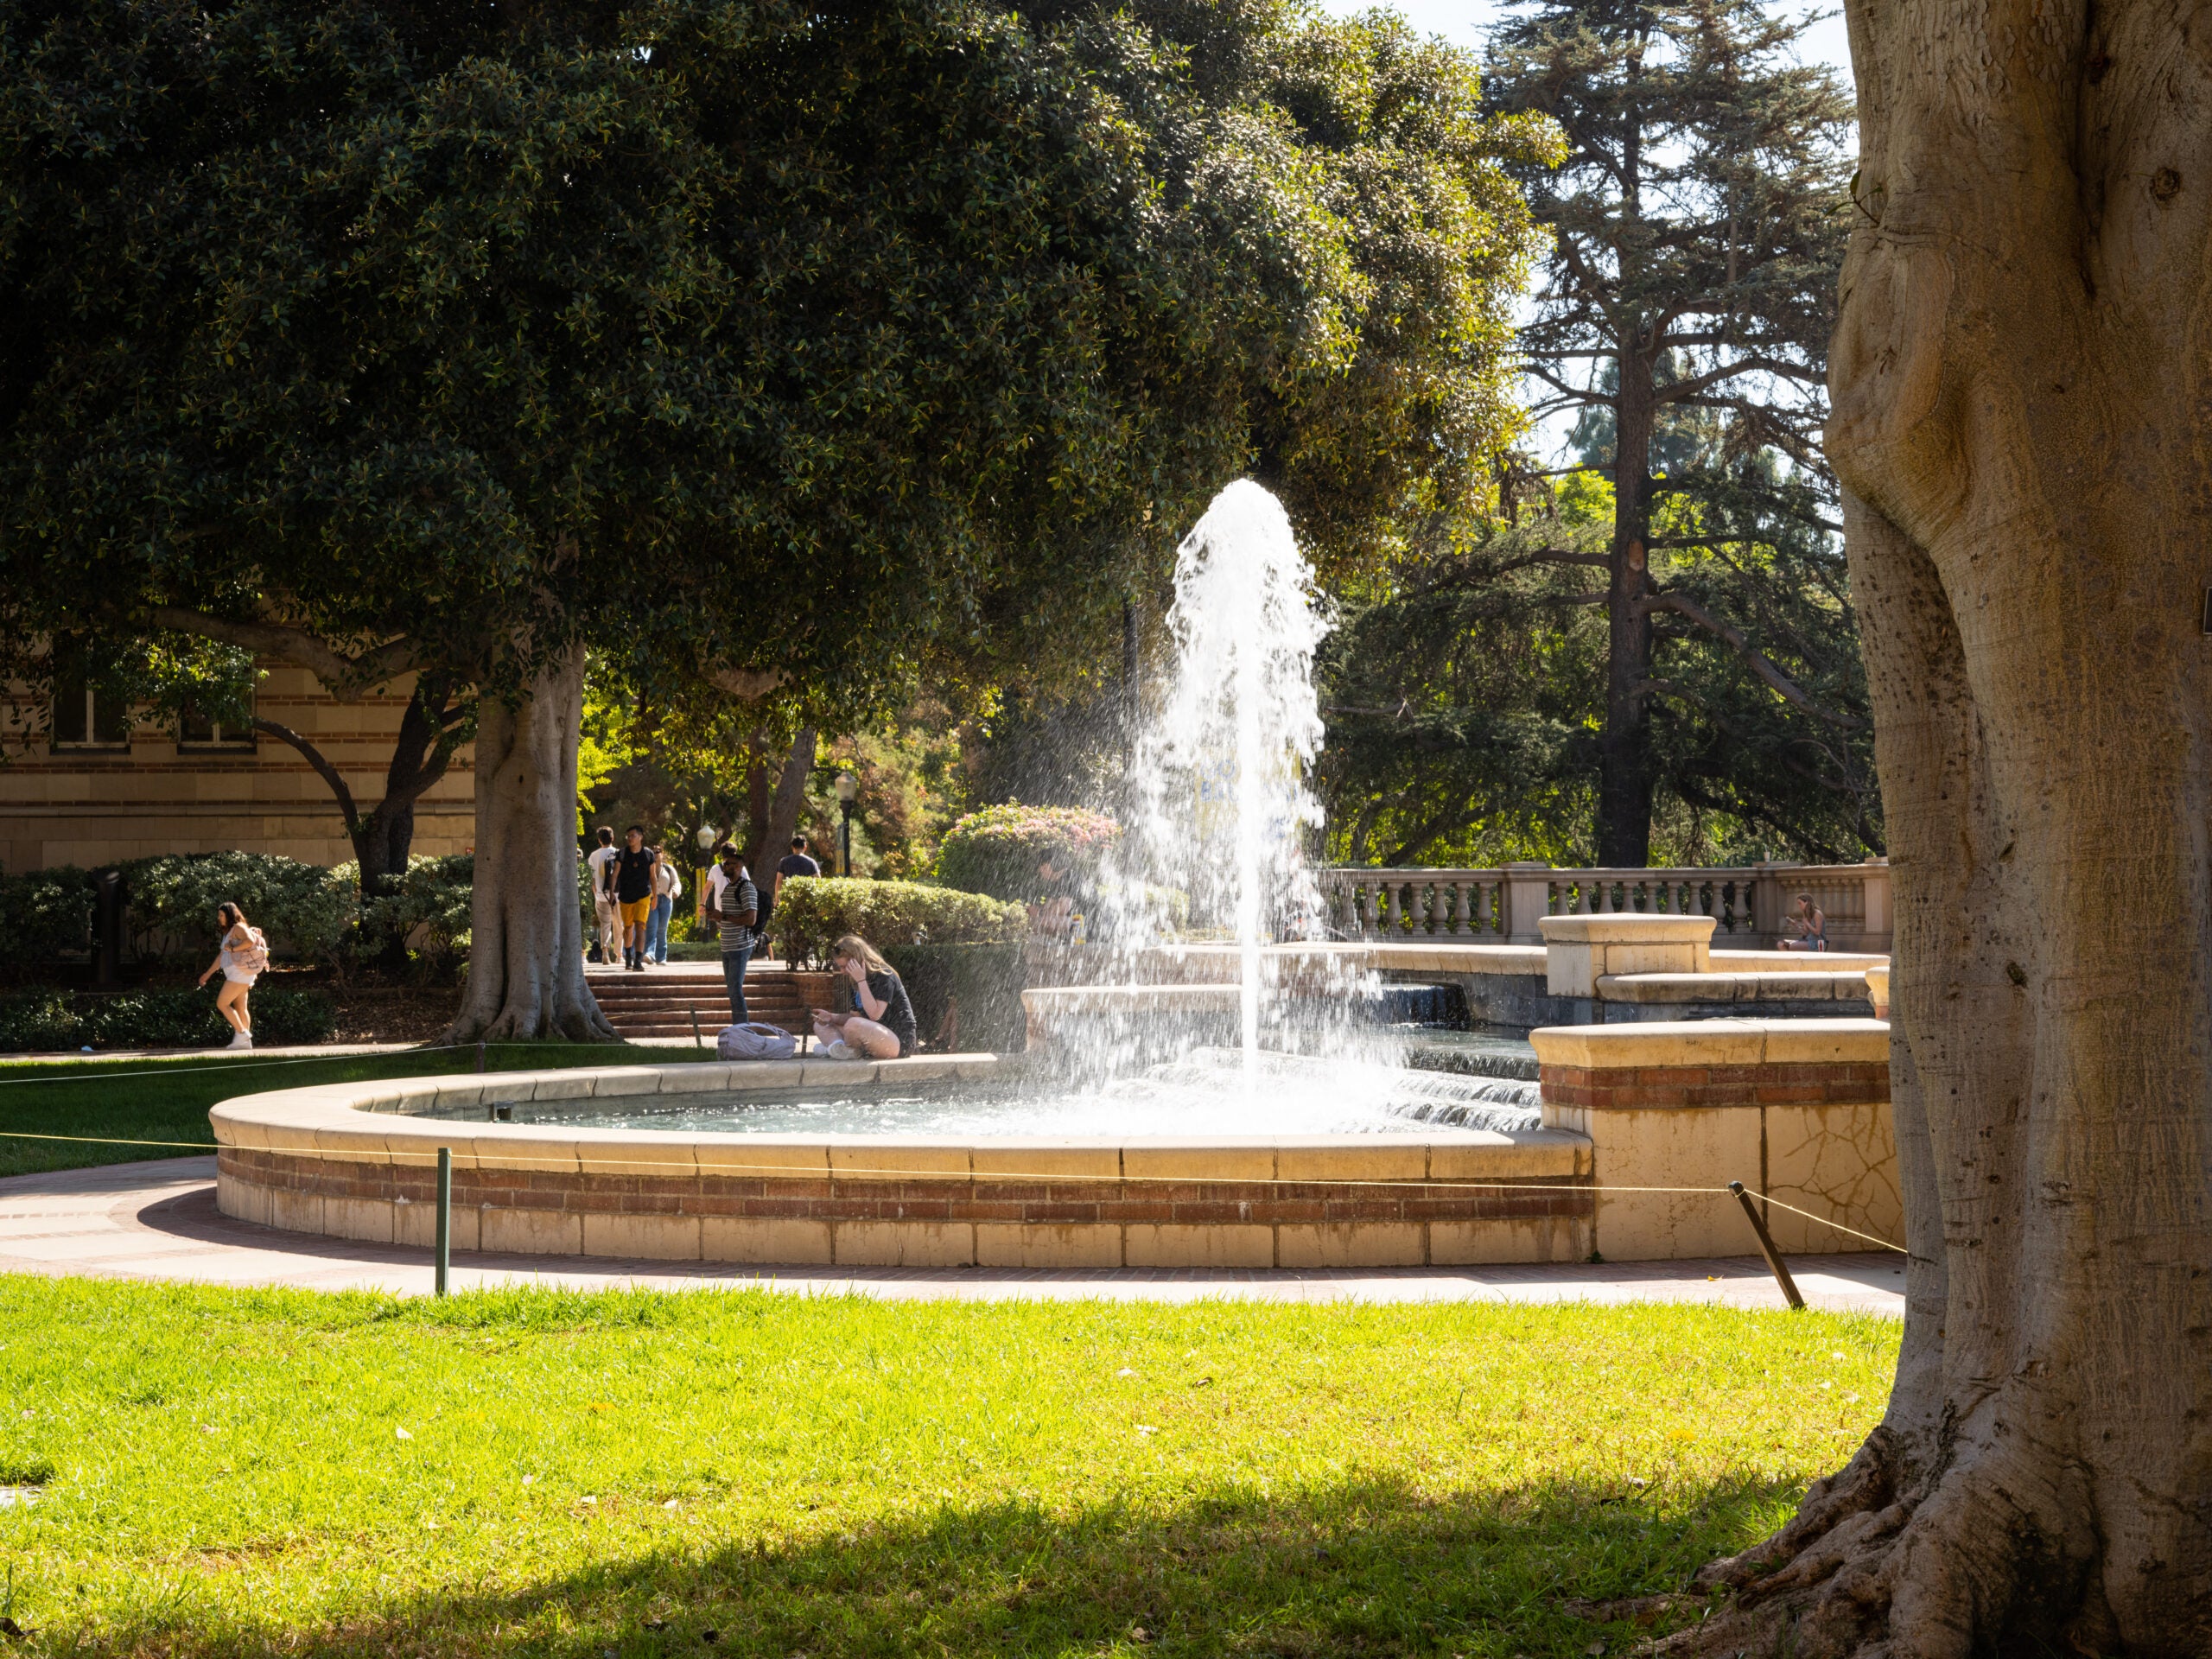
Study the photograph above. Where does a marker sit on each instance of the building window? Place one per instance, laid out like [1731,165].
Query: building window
[86,716]
[195,733]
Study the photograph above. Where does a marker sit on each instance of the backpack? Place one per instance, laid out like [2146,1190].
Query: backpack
[252,956]
[755,1041]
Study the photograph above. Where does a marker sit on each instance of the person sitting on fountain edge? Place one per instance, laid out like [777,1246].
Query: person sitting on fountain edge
[881,1027]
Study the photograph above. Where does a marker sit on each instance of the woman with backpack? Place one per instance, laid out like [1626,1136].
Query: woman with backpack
[244,954]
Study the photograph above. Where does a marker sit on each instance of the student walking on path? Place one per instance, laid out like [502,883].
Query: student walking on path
[795,863]
[734,906]
[244,954]
[634,868]
[603,897]
[668,887]
[881,1027]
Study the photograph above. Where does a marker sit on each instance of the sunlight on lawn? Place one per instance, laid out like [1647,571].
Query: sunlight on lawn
[544,1472]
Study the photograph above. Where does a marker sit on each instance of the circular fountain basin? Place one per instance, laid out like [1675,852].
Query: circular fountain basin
[357,1160]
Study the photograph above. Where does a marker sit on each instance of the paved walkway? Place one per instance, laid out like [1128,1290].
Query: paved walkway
[158,1221]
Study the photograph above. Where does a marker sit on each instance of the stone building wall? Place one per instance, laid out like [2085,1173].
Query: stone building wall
[153,794]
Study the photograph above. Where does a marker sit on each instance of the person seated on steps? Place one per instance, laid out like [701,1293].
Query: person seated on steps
[882,1024]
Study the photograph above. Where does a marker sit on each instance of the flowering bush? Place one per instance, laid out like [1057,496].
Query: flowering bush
[998,850]
[815,909]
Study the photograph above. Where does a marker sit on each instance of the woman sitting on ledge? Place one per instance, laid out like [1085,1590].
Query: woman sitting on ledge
[881,1027]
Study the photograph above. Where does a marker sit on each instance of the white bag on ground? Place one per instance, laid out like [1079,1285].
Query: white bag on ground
[754,1041]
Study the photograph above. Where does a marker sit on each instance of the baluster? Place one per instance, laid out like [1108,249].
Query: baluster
[1390,909]
[1459,916]
[1367,900]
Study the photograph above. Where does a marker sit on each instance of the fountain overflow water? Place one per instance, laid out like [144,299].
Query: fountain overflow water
[1221,790]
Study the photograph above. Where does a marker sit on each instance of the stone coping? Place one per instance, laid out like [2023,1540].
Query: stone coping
[368,1123]
[1626,927]
[1654,1043]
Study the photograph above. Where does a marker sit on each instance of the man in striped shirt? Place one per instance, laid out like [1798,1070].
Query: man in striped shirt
[734,906]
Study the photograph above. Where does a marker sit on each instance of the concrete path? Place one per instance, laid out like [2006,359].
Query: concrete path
[158,1221]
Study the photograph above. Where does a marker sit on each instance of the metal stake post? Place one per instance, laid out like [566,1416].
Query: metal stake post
[479,1054]
[697,1042]
[445,1216]
[1766,1247]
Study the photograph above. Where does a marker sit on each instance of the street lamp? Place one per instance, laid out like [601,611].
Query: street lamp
[708,833]
[848,786]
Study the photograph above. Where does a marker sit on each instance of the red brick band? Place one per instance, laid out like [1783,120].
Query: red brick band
[1837,1083]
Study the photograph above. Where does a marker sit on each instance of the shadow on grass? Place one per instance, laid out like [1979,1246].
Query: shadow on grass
[1360,1568]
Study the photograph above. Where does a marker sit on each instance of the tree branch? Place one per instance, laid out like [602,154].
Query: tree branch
[342,676]
[747,683]
[1760,665]
[314,757]
[1678,391]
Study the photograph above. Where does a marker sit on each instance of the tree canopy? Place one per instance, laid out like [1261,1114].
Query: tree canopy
[1699,221]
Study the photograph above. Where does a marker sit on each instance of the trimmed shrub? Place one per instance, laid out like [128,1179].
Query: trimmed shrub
[47,913]
[429,910]
[998,850]
[815,909]
[305,909]
[986,979]
[52,1020]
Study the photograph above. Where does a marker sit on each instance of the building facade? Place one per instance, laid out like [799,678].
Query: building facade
[97,784]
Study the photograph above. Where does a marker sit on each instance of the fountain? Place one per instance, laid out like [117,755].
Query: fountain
[1311,1150]
[1223,769]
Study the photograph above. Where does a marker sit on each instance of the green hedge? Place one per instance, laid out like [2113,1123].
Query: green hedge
[815,909]
[998,850]
[63,1020]
[307,911]
[987,978]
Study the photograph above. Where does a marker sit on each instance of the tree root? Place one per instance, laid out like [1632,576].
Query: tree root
[1820,1585]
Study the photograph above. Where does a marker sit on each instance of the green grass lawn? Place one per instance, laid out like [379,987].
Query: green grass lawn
[738,1472]
[168,1099]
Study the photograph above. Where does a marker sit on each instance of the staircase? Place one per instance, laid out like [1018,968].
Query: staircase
[660,1002]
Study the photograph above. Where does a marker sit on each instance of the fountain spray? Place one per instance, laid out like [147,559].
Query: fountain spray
[1220,783]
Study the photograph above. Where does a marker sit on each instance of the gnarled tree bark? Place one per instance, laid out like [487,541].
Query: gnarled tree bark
[2020,378]
[525,955]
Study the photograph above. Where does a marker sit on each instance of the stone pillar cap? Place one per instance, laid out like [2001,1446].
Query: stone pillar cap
[1626,929]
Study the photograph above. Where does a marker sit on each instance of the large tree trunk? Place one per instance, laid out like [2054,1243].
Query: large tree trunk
[790,800]
[525,956]
[2019,382]
[1625,746]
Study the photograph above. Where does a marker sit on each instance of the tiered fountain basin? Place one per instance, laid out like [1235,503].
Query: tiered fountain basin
[1640,1128]
[357,1160]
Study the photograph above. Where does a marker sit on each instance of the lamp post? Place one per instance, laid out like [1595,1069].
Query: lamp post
[708,836]
[848,786]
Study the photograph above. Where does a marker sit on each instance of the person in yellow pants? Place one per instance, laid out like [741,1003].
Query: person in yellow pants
[637,870]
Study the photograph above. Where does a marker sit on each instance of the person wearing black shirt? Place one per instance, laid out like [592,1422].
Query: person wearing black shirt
[795,863]
[882,1024]
[635,869]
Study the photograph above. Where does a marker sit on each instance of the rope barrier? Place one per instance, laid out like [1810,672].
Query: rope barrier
[850,1172]
[83,1073]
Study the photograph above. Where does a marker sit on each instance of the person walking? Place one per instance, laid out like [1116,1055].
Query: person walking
[241,955]
[882,1024]
[603,897]
[733,907]
[795,863]
[634,869]
[668,887]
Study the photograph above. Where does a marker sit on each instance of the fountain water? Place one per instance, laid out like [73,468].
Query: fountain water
[1219,796]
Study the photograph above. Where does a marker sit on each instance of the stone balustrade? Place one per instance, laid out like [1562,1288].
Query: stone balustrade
[1749,905]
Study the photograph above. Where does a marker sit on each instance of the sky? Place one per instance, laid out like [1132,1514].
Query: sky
[1465,22]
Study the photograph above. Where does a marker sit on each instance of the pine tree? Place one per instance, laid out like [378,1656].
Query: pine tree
[1699,220]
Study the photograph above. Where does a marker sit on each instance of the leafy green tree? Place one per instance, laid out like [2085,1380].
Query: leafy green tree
[386,340]
[1698,217]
